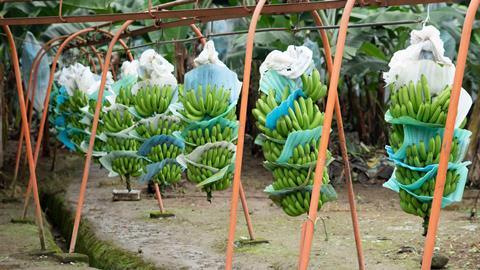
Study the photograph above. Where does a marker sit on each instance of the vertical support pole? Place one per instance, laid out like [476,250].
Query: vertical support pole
[241,133]
[23,111]
[159,198]
[331,100]
[343,148]
[91,143]
[448,136]
[246,213]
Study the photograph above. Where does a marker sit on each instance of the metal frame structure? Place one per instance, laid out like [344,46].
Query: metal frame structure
[32,85]
[196,15]
[46,103]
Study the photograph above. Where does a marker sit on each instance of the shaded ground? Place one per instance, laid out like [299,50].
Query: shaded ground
[196,238]
[19,243]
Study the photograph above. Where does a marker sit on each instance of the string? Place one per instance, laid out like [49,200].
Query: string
[427,19]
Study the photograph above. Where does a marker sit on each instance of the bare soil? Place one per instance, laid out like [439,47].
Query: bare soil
[196,237]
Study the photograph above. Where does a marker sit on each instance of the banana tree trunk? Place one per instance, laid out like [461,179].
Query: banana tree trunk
[473,150]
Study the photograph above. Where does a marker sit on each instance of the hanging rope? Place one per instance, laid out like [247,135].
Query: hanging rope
[427,19]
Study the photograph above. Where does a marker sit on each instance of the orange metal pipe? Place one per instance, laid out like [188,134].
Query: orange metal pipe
[33,73]
[343,148]
[121,42]
[47,102]
[32,83]
[243,198]
[96,116]
[89,59]
[331,100]
[246,213]
[241,133]
[47,97]
[159,198]
[448,135]
[23,112]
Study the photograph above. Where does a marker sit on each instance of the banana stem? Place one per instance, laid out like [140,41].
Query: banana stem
[127,181]
[425,225]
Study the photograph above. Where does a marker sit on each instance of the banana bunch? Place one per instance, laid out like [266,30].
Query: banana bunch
[209,135]
[127,166]
[78,137]
[297,203]
[169,174]
[153,100]
[99,145]
[199,174]
[115,121]
[417,103]
[77,100]
[121,144]
[307,153]
[164,127]
[312,86]
[304,115]
[73,120]
[217,157]
[162,151]
[272,150]
[264,105]
[92,104]
[289,177]
[125,97]
[406,176]
[421,154]
[428,188]
[199,105]
[396,137]
[412,205]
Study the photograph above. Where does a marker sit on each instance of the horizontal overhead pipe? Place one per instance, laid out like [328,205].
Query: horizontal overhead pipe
[229,12]
[243,32]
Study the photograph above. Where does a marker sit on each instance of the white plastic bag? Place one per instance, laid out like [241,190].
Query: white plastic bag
[78,76]
[130,68]
[208,56]
[425,56]
[291,63]
[152,66]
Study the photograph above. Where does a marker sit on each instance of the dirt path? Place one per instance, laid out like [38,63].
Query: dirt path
[196,238]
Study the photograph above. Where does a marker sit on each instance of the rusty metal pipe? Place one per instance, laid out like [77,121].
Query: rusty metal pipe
[207,13]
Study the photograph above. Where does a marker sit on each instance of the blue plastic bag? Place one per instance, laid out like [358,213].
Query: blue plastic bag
[415,134]
[455,196]
[213,75]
